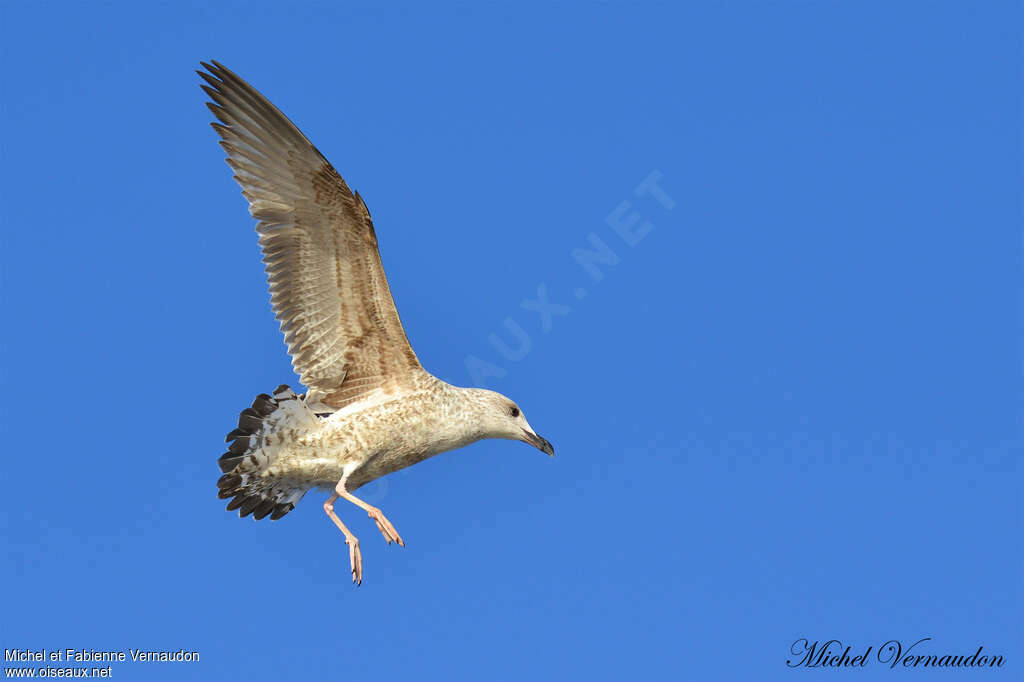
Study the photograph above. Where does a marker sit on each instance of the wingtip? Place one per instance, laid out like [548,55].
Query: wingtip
[214,70]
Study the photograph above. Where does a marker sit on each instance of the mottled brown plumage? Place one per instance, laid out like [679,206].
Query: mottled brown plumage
[371,408]
[319,248]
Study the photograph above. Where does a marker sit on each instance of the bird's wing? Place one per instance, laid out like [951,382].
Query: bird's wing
[327,284]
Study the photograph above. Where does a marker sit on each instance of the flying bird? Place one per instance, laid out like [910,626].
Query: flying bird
[370,408]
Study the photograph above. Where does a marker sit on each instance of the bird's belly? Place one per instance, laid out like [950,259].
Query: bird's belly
[319,459]
[390,460]
[401,452]
[364,446]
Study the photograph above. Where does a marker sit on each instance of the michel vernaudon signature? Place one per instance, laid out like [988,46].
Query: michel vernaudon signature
[832,654]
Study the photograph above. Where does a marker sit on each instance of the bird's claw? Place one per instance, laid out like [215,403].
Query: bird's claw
[356,557]
[385,527]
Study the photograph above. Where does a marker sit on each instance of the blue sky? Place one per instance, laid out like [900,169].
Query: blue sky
[789,407]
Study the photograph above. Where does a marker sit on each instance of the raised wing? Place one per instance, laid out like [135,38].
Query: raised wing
[327,284]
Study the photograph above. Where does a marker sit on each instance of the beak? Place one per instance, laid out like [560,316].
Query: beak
[540,443]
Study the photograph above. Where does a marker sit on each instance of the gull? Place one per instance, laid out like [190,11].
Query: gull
[370,408]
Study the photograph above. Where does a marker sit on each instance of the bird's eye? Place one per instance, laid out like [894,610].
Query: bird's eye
[513,412]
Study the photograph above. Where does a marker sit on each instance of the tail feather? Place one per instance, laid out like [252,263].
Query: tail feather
[247,456]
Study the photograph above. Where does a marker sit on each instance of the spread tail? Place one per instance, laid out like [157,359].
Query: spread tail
[250,454]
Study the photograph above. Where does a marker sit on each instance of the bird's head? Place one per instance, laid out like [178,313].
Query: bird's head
[498,417]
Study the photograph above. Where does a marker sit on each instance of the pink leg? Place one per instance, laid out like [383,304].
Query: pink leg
[383,525]
[354,555]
